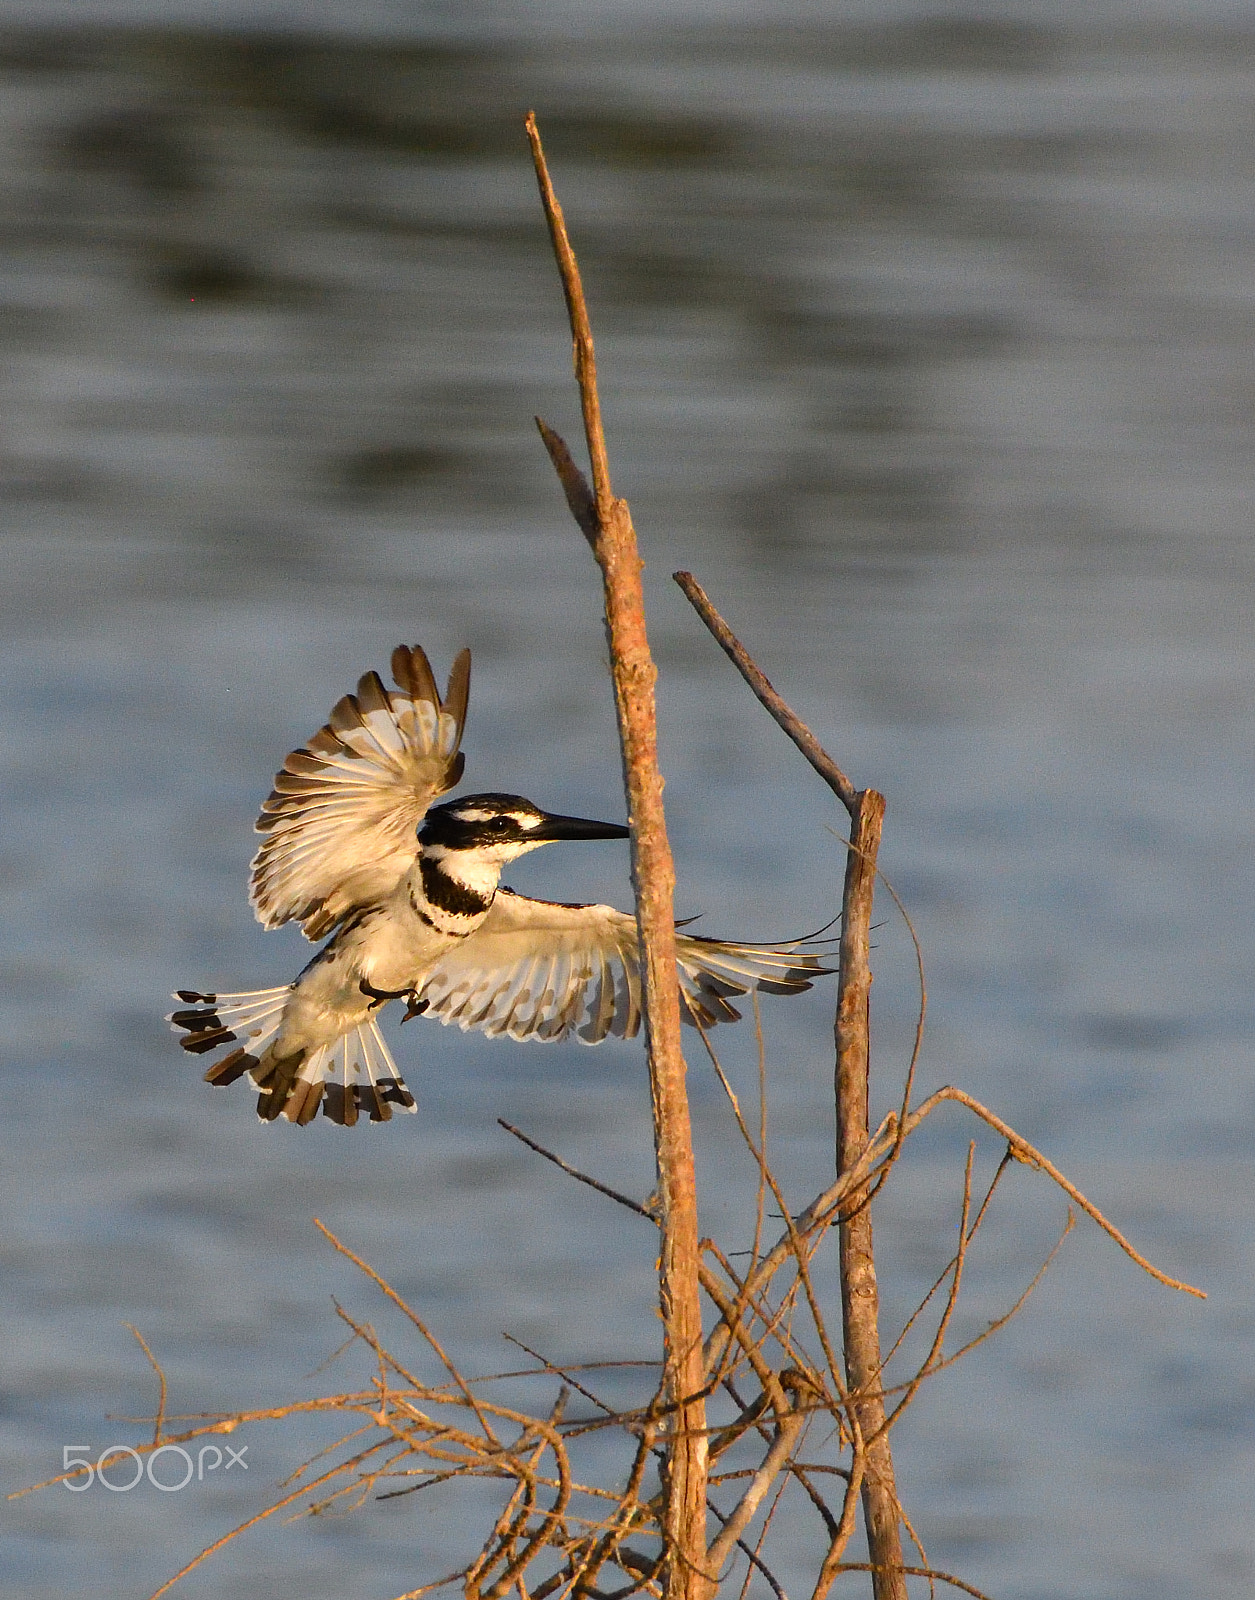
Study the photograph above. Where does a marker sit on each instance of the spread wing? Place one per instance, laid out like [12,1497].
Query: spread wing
[536,970]
[341,821]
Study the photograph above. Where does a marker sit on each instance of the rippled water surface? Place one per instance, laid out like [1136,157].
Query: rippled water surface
[929,344]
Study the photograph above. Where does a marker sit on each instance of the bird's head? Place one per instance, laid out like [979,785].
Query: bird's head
[500,827]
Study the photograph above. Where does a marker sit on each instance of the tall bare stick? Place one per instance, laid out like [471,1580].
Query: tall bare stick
[614,544]
[860,1296]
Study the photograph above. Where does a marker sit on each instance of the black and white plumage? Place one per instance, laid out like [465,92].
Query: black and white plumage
[354,843]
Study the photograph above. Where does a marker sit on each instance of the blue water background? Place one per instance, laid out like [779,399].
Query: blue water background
[927,340]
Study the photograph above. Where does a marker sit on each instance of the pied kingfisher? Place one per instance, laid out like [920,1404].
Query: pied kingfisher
[353,843]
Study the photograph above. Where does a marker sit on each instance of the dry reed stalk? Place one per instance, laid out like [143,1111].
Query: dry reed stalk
[607,523]
[860,1294]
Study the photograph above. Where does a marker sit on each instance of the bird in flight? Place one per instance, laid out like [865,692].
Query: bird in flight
[353,845]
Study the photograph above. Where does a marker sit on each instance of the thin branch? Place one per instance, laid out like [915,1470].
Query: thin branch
[821,1213]
[918,1572]
[574,1172]
[999,1322]
[541,1535]
[737,1429]
[952,1299]
[430,1588]
[261,1516]
[824,1207]
[789,1344]
[1032,1157]
[796,1245]
[841,786]
[583,354]
[791,723]
[945,1272]
[832,1563]
[418,1323]
[760,1199]
[923,1554]
[918,1043]
[781,1449]
[506,1529]
[604,1550]
[579,497]
[161,1379]
[781,1486]
[755,1560]
[801,1471]
[767,1379]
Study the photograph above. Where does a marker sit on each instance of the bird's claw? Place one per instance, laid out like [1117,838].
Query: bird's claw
[380,997]
[414,1006]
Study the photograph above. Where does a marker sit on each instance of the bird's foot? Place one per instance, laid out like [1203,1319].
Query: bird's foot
[380,997]
[415,1007]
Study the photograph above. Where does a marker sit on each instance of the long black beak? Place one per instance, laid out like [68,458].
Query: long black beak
[555,827]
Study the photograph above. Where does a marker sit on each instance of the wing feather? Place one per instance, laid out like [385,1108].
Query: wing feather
[600,1004]
[538,970]
[340,825]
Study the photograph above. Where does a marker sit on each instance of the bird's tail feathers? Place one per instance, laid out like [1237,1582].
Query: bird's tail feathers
[249,1021]
[352,1074]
